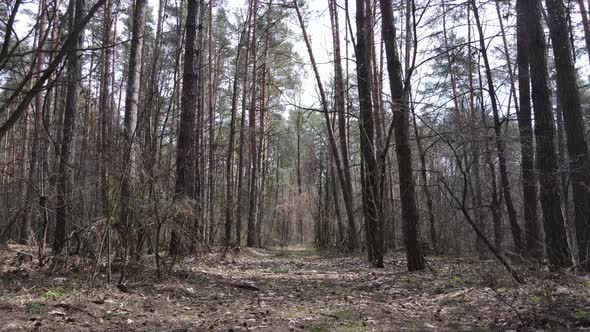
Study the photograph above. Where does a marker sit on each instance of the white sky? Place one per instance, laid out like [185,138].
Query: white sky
[318,28]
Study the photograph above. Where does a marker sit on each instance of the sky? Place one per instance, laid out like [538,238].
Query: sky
[318,28]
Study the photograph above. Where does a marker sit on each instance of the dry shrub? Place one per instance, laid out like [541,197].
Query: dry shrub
[183,233]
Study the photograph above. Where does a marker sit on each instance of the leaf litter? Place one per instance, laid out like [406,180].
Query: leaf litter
[296,289]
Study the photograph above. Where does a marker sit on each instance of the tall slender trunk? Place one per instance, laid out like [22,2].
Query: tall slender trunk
[585,25]
[410,216]
[339,91]
[185,175]
[299,189]
[547,167]
[533,244]
[200,223]
[425,188]
[105,112]
[239,203]
[507,56]
[130,148]
[264,114]
[211,106]
[33,176]
[340,225]
[371,201]
[253,190]
[500,147]
[73,68]
[229,205]
[569,99]
[495,207]
[348,203]
[474,176]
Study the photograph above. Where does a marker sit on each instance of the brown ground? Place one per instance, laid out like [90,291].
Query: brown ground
[296,289]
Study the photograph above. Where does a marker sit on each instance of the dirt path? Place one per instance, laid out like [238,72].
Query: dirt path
[298,289]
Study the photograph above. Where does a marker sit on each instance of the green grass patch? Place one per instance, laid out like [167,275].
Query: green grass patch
[320,327]
[501,290]
[536,300]
[438,288]
[350,320]
[34,308]
[346,315]
[58,293]
[366,288]
[581,315]
[279,269]
[109,315]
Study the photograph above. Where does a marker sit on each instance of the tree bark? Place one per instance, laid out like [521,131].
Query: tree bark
[130,148]
[299,189]
[229,207]
[425,188]
[533,244]
[371,199]
[105,112]
[34,185]
[410,216]
[569,99]
[253,190]
[73,67]
[585,25]
[239,203]
[547,167]
[339,98]
[185,146]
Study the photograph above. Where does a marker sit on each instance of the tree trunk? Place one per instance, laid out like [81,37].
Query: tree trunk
[548,169]
[253,191]
[240,191]
[299,189]
[199,225]
[339,98]
[264,115]
[371,200]
[404,157]
[105,112]
[533,245]
[229,191]
[504,179]
[73,68]
[585,25]
[33,187]
[185,146]
[211,144]
[569,99]
[130,148]
[425,188]
[348,203]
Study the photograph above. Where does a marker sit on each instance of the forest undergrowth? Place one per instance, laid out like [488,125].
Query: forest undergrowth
[289,289]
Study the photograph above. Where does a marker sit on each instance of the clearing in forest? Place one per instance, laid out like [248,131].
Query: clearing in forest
[289,290]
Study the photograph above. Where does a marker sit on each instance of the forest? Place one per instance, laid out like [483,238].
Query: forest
[278,165]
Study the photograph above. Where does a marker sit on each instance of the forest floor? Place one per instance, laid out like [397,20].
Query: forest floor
[290,290]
